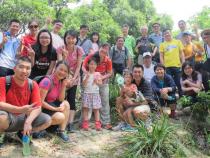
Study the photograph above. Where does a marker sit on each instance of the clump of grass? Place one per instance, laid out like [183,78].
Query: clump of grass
[161,142]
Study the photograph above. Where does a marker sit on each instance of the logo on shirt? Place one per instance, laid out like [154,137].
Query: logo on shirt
[170,47]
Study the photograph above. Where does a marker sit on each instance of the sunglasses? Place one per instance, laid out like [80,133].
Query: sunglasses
[33,26]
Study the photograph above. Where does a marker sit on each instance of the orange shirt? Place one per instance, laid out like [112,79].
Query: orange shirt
[199,57]
[188,50]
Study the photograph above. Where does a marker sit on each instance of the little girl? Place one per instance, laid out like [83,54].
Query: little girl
[91,98]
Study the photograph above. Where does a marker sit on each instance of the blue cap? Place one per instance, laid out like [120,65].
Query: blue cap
[26,139]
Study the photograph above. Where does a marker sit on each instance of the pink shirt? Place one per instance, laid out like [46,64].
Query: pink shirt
[72,57]
[54,93]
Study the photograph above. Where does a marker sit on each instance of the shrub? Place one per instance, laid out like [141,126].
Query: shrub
[161,142]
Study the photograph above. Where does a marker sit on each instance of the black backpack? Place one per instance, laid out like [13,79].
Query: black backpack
[38,79]
[8,83]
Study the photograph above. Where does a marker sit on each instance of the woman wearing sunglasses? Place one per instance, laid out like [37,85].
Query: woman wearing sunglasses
[30,38]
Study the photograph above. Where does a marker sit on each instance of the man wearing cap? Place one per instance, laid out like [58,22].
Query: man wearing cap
[156,37]
[206,39]
[190,49]
[148,66]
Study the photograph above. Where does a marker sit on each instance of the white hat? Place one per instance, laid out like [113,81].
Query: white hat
[147,54]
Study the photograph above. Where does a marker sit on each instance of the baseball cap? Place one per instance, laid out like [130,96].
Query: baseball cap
[186,33]
[147,54]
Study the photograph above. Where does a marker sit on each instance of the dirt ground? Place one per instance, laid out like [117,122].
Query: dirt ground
[84,144]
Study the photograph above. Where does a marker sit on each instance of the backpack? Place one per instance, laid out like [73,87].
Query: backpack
[8,83]
[38,79]
[126,54]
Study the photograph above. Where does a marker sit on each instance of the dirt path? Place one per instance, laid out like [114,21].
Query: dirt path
[84,144]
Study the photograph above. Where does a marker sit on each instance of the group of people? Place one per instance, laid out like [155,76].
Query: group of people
[41,71]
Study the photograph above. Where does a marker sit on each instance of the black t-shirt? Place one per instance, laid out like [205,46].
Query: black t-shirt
[42,61]
[145,45]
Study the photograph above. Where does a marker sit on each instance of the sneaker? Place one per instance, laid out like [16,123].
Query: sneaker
[148,124]
[2,136]
[40,134]
[119,126]
[108,126]
[85,125]
[63,135]
[70,128]
[128,128]
[98,125]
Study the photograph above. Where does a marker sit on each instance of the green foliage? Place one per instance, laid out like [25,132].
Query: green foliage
[201,18]
[97,17]
[184,101]
[24,10]
[161,142]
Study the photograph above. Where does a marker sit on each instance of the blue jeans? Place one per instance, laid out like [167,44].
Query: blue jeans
[175,72]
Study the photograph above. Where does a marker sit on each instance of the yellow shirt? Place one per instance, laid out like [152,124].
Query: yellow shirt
[171,52]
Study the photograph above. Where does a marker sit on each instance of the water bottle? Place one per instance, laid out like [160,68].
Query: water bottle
[26,145]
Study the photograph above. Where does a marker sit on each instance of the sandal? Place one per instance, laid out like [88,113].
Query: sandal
[98,125]
[85,125]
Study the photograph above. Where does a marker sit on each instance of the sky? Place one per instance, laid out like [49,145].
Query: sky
[180,9]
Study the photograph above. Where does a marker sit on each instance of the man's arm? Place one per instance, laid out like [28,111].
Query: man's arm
[181,54]
[15,109]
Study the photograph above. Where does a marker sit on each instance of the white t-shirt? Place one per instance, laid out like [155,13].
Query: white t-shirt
[57,41]
[91,87]
[149,72]
[208,51]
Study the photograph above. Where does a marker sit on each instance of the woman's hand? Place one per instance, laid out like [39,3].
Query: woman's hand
[60,108]
[30,50]
[66,82]
[64,53]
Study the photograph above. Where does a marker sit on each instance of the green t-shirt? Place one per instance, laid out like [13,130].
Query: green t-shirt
[130,44]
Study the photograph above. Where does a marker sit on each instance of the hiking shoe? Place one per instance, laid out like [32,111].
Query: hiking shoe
[20,136]
[98,125]
[63,136]
[119,126]
[70,128]
[85,125]
[108,126]
[40,134]
[2,136]
[128,128]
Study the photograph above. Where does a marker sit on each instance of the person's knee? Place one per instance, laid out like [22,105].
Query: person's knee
[4,123]
[66,104]
[58,117]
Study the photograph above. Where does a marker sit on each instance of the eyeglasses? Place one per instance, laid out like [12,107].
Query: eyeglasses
[33,26]
[44,37]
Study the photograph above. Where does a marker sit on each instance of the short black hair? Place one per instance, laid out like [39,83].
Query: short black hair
[125,25]
[159,65]
[56,21]
[14,20]
[118,37]
[83,27]
[72,33]
[165,30]
[105,44]
[181,21]
[155,23]
[23,58]
[138,66]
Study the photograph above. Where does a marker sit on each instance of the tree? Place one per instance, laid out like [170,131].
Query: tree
[201,19]
[24,10]
[97,17]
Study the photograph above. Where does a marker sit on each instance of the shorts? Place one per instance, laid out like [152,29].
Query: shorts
[54,104]
[16,122]
[91,101]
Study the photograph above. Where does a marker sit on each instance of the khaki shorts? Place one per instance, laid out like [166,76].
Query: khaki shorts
[16,122]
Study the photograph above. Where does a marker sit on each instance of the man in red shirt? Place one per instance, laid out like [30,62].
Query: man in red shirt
[20,107]
[104,66]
